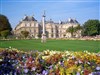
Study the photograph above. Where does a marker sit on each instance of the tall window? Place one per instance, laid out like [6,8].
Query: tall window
[34,24]
[30,30]
[34,30]
[28,24]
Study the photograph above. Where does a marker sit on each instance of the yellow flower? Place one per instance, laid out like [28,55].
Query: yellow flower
[61,71]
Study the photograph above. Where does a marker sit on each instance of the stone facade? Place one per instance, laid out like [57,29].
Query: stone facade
[53,30]
[28,24]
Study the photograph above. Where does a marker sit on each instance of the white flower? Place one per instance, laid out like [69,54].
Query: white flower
[17,67]
[88,63]
[33,68]
[80,61]
[59,62]
[90,74]
[73,57]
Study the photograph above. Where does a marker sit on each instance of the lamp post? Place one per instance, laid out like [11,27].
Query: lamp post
[43,34]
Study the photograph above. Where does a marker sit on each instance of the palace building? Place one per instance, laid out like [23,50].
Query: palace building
[52,29]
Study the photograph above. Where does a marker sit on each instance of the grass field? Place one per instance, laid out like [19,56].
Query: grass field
[74,45]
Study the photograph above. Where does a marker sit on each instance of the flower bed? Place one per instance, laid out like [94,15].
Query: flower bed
[13,61]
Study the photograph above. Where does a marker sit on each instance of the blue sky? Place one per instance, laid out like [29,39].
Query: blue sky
[56,10]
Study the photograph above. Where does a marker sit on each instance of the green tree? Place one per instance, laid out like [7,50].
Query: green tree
[71,30]
[25,33]
[91,28]
[4,23]
[5,33]
[39,35]
[77,28]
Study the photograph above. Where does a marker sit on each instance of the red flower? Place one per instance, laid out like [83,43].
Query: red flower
[86,72]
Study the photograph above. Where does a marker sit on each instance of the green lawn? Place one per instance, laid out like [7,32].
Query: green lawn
[75,45]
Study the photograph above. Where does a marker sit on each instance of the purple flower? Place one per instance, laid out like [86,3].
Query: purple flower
[26,70]
[95,73]
[77,73]
[50,67]
[44,72]
[97,68]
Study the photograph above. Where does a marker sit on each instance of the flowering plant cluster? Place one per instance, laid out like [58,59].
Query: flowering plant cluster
[16,62]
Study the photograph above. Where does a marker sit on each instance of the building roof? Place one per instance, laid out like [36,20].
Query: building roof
[29,18]
[70,20]
[49,21]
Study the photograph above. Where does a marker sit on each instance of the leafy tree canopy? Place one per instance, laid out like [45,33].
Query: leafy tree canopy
[91,28]
[71,30]
[5,33]
[4,23]
[25,33]
[78,28]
